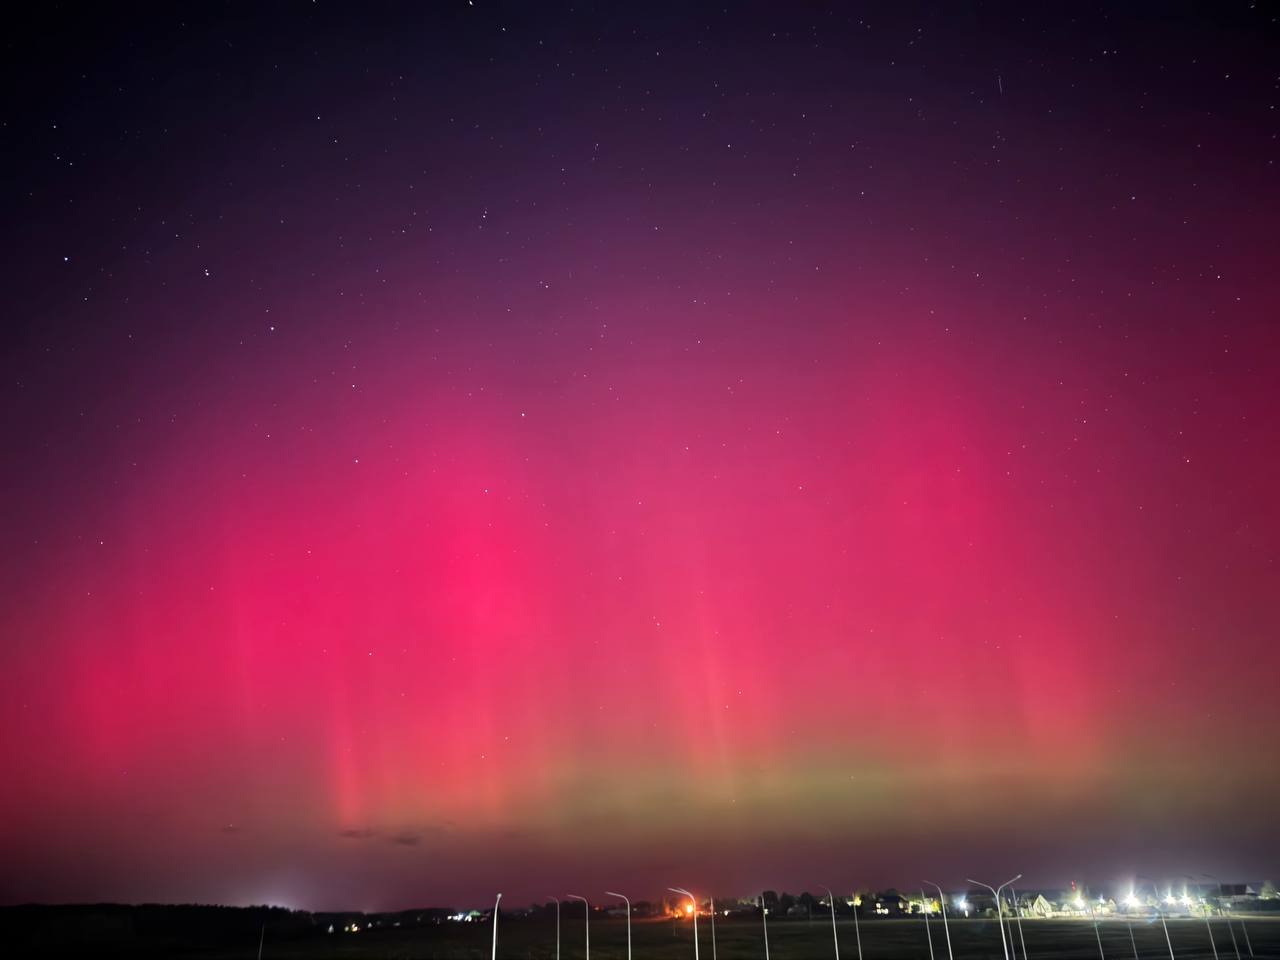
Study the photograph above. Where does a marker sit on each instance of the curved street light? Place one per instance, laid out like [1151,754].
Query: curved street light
[857,934]
[764,918]
[628,903]
[831,899]
[586,910]
[1094,917]
[924,909]
[495,926]
[693,900]
[557,900]
[1160,910]
[1227,914]
[1208,926]
[995,892]
[1017,912]
[942,900]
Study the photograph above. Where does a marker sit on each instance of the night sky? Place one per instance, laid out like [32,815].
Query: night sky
[496,447]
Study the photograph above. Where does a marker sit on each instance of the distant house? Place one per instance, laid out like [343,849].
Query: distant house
[890,904]
[1245,896]
[1035,906]
[980,902]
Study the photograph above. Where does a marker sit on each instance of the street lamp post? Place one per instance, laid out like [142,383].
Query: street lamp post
[586,912]
[713,928]
[995,892]
[628,903]
[942,901]
[764,919]
[1160,910]
[857,935]
[1231,930]
[557,900]
[835,940]
[924,909]
[495,926]
[686,893]
[1094,916]
[1017,912]
[1207,925]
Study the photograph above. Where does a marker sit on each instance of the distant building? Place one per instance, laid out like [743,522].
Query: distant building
[1036,906]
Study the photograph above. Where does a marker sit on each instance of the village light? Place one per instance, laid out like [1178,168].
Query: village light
[586,910]
[692,912]
[628,903]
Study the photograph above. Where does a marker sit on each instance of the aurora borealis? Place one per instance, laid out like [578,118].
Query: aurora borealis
[495,447]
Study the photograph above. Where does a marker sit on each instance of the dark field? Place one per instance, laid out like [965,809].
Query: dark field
[527,939]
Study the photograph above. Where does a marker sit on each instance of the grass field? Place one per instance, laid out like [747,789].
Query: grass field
[529,939]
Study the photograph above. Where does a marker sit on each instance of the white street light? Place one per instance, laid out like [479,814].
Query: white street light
[628,903]
[495,926]
[1160,910]
[1207,925]
[586,909]
[831,899]
[1096,932]
[713,928]
[1017,912]
[945,929]
[557,900]
[764,918]
[857,935]
[686,893]
[1230,929]
[995,892]
[925,910]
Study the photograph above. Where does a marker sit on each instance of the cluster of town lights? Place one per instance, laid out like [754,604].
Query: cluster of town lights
[1013,923]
